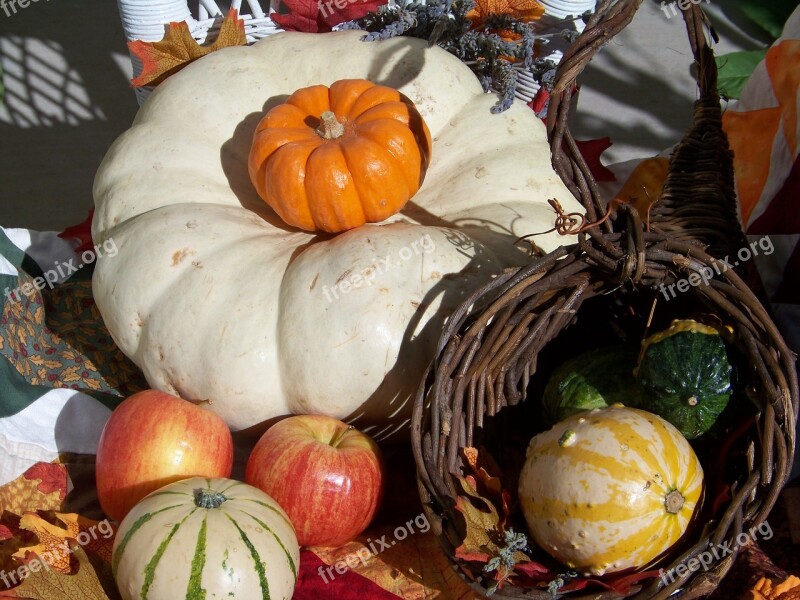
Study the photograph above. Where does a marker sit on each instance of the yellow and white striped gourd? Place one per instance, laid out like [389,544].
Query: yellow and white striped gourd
[609,489]
[206,539]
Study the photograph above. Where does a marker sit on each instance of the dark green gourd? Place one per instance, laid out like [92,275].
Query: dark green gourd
[687,375]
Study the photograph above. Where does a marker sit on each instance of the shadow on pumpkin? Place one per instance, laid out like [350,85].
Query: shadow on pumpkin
[390,403]
[233,157]
[405,70]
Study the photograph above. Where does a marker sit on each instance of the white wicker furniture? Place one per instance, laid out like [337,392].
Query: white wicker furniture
[146,20]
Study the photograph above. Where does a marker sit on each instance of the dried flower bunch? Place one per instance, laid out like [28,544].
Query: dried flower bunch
[494,37]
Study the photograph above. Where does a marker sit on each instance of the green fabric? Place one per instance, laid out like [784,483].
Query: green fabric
[55,338]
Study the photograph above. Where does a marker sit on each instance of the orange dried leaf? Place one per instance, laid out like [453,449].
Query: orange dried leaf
[523,10]
[178,48]
[765,589]
[488,481]
[643,186]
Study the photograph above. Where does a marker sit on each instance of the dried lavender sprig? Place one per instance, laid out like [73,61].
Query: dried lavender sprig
[445,22]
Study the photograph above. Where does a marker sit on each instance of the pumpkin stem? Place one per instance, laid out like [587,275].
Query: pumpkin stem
[207,498]
[330,128]
[674,502]
[692,401]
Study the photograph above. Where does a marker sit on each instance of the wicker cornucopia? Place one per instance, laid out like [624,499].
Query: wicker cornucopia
[481,389]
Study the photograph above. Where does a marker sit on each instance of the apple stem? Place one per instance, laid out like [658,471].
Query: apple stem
[207,498]
[339,435]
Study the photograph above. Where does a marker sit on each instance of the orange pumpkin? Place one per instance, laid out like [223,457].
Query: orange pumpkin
[332,159]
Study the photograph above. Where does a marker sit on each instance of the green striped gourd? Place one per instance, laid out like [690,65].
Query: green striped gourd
[204,539]
[593,379]
[609,489]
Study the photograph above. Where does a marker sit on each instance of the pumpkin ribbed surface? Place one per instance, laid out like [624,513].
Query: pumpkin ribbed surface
[609,489]
[334,158]
[206,538]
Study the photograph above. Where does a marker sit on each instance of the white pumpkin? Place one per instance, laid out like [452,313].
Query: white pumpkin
[216,299]
[206,538]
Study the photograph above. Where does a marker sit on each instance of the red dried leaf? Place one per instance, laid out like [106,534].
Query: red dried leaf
[539,102]
[81,232]
[317,16]
[591,151]
[5,533]
[533,569]
[52,477]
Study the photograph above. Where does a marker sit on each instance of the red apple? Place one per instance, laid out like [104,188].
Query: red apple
[152,439]
[326,475]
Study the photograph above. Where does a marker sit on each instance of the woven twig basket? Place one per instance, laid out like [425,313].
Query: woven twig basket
[496,346]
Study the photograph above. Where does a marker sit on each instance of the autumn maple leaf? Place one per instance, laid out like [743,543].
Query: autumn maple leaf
[643,187]
[52,477]
[178,48]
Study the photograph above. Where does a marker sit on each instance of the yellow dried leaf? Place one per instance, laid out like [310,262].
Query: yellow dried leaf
[48,584]
[53,546]
[54,540]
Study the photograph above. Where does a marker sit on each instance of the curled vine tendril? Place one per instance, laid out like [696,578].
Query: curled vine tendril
[573,223]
